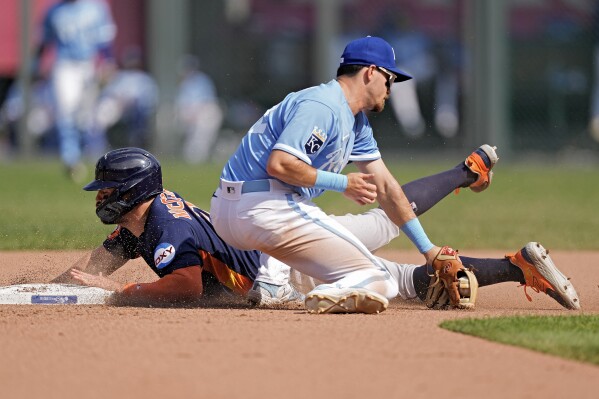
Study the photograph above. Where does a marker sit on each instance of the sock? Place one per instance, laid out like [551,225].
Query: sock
[493,271]
[487,272]
[421,281]
[424,193]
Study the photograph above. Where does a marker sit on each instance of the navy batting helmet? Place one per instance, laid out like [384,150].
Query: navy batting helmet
[136,176]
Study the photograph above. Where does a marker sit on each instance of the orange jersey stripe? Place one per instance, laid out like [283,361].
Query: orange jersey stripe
[238,283]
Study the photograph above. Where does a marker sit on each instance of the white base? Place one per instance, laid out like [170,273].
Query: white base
[52,294]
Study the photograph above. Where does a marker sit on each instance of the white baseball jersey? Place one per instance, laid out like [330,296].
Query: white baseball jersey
[316,125]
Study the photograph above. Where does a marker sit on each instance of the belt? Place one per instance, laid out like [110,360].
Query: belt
[252,186]
[255,186]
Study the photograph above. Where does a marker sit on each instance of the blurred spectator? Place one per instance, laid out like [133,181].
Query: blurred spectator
[127,104]
[198,110]
[427,62]
[40,120]
[449,59]
[81,31]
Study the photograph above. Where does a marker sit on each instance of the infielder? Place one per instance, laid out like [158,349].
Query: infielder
[177,240]
[80,30]
[294,153]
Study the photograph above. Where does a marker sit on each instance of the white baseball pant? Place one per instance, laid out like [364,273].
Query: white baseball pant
[268,216]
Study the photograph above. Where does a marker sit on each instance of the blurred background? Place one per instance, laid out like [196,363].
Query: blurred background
[188,78]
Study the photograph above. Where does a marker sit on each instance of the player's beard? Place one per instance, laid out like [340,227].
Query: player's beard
[379,107]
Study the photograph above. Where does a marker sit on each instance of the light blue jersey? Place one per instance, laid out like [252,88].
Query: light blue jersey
[79,28]
[316,125]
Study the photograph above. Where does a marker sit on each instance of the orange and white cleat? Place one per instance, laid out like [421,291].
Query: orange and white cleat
[541,275]
[481,162]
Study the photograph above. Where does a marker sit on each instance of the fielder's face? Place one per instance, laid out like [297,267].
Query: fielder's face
[382,86]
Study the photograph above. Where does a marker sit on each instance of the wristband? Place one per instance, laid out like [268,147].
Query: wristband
[330,181]
[416,234]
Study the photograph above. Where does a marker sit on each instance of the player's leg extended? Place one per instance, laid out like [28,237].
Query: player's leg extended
[532,267]
[475,172]
[375,230]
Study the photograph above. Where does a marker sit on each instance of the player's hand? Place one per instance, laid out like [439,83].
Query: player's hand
[360,189]
[431,254]
[92,280]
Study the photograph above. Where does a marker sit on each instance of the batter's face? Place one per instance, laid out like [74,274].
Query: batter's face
[102,195]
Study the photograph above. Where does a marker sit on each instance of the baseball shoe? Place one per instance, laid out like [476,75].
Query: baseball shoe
[541,275]
[481,162]
[345,300]
[266,295]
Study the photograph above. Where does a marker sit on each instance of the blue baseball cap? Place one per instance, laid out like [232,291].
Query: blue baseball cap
[371,50]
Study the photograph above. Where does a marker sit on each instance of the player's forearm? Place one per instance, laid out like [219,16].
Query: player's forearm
[290,169]
[181,286]
[102,261]
[396,205]
[400,212]
[390,195]
[99,261]
[394,202]
[66,277]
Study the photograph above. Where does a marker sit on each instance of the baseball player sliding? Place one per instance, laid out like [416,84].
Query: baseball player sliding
[178,242]
[174,237]
[297,150]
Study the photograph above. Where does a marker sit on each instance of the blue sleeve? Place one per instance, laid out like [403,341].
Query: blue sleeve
[306,132]
[365,146]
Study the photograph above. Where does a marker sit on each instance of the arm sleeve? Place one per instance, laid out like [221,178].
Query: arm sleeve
[306,134]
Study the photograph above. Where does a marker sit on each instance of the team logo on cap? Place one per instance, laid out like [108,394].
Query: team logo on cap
[316,140]
[163,255]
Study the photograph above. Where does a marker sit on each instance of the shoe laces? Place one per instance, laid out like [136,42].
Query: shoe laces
[532,278]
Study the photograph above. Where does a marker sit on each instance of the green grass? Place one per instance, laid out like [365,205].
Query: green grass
[571,337]
[42,209]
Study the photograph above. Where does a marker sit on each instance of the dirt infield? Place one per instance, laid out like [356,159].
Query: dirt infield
[67,351]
